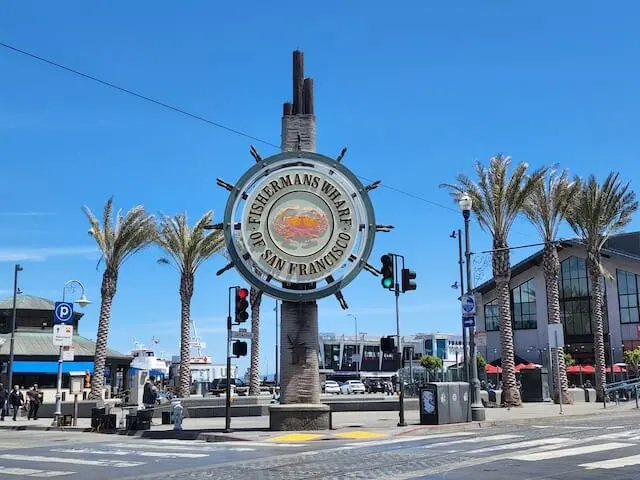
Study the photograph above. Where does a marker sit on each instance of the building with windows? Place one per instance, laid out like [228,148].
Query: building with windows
[620,257]
[340,354]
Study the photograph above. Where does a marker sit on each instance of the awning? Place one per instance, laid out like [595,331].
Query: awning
[51,367]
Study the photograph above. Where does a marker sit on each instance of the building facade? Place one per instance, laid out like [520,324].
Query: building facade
[620,257]
[341,353]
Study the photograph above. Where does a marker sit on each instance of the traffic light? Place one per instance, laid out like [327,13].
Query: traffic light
[239,348]
[387,344]
[241,305]
[387,271]
[408,280]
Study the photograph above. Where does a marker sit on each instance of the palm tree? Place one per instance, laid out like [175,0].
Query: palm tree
[255,299]
[497,200]
[187,248]
[546,208]
[597,212]
[117,239]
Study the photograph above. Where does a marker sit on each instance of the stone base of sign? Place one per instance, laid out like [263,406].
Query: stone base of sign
[299,416]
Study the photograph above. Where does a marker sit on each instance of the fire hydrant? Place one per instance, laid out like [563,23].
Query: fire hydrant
[177,410]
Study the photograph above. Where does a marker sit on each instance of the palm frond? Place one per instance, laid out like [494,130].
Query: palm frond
[549,202]
[600,211]
[120,238]
[497,196]
[186,246]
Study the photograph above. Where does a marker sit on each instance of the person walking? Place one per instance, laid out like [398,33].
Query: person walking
[16,400]
[35,399]
[4,396]
[150,393]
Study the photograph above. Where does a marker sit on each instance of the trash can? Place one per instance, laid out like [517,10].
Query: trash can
[97,417]
[460,403]
[429,405]
[132,422]
[144,419]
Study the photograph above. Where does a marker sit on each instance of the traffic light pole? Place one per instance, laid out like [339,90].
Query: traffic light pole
[401,420]
[227,413]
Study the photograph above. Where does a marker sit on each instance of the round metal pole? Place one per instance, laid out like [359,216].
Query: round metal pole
[17,269]
[401,420]
[477,409]
[275,380]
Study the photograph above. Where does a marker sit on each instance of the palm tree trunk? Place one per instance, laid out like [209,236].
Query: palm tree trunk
[107,292]
[255,298]
[186,292]
[551,269]
[597,322]
[502,274]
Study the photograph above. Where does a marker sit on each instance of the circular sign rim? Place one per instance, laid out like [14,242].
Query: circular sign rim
[315,293]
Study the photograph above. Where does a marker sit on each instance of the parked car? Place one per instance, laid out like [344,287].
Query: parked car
[374,386]
[352,386]
[331,387]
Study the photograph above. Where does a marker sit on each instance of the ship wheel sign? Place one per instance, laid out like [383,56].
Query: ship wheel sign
[299,226]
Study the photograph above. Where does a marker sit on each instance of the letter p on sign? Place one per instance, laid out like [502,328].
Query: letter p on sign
[63,313]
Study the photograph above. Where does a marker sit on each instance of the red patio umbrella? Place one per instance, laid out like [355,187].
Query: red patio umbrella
[616,369]
[525,366]
[491,369]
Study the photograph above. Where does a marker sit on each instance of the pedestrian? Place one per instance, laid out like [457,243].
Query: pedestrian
[150,393]
[4,395]
[35,399]
[16,400]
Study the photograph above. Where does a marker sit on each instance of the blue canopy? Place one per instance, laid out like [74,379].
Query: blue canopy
[51,367]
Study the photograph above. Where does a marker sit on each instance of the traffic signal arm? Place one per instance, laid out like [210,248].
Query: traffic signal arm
[388,277]
[242,304]
[408,280]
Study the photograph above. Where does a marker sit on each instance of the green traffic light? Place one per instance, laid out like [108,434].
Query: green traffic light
[387,282]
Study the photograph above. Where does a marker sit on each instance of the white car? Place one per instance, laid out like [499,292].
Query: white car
[331,387]
[352,386]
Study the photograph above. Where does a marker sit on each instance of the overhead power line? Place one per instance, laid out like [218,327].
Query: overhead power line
[191,115]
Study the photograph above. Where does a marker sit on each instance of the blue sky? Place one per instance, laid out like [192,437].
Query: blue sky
[417,94]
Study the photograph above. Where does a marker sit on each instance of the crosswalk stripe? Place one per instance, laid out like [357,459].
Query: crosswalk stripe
[613,463]
[626,435]
[526,444]
[569,452]
[233,443]
[139,453]
[177,448]
[75,461]
[475,440]
[410,439]
[29,472]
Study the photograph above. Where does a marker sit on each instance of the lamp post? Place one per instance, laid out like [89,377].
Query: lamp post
[477,409]
[82,302]
[355,319]
[275,380]
[17,269]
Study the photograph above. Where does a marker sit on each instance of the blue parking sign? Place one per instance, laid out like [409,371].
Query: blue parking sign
[63,313]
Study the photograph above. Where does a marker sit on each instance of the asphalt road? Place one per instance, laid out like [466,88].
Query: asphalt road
[575,449]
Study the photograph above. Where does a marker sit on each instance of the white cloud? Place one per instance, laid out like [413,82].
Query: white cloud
[41,254]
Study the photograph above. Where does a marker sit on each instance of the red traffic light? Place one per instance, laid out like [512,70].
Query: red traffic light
[243,293]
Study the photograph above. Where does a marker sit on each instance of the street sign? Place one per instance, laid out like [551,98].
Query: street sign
[469,321]
[63,313]
[242,333]
[468,305]
[556,335]
[62,335]
[68,354]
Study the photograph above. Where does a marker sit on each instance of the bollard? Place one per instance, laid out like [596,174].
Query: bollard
[177,410]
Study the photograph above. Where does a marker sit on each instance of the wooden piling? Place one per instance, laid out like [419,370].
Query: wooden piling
[298,80]
[307,95]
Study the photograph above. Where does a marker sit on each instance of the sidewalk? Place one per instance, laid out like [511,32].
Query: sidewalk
[352,425]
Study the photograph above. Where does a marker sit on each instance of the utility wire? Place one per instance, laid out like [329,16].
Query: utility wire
[138,95]
[192,115]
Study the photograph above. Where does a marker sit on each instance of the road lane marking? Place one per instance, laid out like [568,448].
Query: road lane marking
[613,463]
[29,472]
[628,435]
[75,461]
[391,441]
[475,440]
[526,444]
[139,453]
[568,452]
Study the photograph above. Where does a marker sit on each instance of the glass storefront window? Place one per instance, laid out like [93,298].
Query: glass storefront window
[523,306]
[491,317]
[629,296]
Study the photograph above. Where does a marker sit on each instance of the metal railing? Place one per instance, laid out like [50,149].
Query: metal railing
[613,390]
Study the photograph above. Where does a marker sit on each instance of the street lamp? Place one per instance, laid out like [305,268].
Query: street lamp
[355,319]
[17,269]
[82,302]
[477,409]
